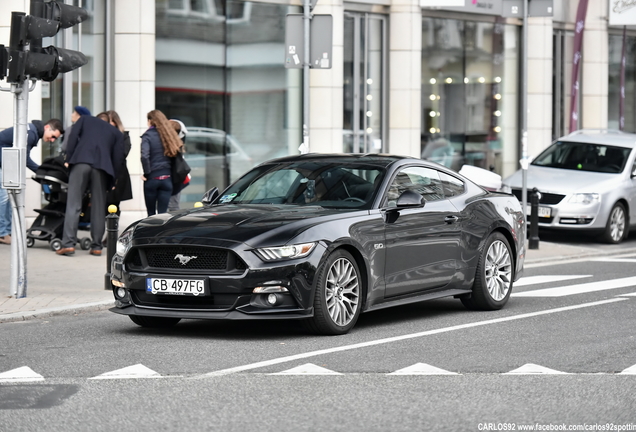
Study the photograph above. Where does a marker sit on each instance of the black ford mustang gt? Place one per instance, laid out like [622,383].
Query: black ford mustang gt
[322,238]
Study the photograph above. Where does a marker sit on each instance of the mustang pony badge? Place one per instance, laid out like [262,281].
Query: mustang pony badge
[183,259]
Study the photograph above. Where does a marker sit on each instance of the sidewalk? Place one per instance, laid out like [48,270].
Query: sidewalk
[71,284]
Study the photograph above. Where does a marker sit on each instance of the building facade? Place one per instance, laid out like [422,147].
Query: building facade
[436,82]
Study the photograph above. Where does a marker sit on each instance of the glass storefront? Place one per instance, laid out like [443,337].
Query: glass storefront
[220,70]
[469,92]
[614,67]
[364,116]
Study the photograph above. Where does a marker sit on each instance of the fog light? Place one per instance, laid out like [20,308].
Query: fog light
[272,299]
[121,293]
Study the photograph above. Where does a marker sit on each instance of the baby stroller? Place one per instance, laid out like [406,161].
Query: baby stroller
[49,224]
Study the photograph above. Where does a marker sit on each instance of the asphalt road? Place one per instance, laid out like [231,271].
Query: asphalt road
[235,375]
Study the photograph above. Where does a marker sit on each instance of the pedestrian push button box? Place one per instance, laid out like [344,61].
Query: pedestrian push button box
[13,168]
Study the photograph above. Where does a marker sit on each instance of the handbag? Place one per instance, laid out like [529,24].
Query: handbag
[180,171]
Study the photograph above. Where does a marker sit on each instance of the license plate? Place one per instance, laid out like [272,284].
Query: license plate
[544,212]
[175,286]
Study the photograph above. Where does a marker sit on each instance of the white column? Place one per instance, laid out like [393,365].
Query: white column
[325,89]
[405,70]
[539,84]
[134,86]
[594,88]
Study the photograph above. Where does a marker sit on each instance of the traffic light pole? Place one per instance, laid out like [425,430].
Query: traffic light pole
[18,284]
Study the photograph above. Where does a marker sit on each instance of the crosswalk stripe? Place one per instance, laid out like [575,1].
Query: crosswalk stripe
[533,280]
[307,369]
[579,288]
[534,369]
[422,369]
[21,374]
[136,371]
[616,260]
[629,371]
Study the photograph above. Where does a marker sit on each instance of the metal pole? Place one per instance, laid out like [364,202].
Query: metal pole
[112,230]
[16,196]
[524,113]
[306,45]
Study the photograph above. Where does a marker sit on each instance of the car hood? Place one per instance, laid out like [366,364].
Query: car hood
[562,181]
[249,224]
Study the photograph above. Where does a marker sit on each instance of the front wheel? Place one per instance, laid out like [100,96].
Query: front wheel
[616,223]
[494,275]
[154,322]
[337,297]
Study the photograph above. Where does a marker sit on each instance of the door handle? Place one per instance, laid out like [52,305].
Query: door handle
[450,219]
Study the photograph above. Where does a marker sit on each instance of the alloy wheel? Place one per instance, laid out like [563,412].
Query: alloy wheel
[617,223]
[498,270]
[342,292]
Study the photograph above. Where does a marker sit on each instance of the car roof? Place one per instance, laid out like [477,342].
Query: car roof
[602,136]
[379,159]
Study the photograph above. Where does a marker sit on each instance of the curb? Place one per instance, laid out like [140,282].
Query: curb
[60,310]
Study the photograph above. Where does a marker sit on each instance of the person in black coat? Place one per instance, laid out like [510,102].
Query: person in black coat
[94,153]
[123,189]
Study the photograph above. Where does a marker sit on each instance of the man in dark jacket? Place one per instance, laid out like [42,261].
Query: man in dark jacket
[94,153]
[36,130]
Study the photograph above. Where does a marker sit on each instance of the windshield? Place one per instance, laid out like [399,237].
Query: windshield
[583,157]
[323,183]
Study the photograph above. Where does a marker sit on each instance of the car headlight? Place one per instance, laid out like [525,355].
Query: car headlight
[125,240]
[585,198]
[285,252]
[505,188]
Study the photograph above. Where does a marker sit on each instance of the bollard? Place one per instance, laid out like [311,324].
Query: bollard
[534,219]
[112,232]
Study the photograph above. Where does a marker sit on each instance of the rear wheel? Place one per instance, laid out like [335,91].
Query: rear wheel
[337,298]
[494,276]
[30,242]
[85,243]
[55,244]
[154,322]
[616,223]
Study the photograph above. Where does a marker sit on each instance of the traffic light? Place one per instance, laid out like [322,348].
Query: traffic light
[27,58]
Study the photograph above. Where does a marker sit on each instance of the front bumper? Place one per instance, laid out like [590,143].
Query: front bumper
[226,296]
[569,216]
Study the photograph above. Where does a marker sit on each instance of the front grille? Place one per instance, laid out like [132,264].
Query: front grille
[184,258]
[213,302]
[546,198]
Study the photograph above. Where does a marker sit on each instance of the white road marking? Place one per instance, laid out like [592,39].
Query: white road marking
[533,280]
[616,260]
[402,338]
[21,374]
[579,288]
[628,294]
[307,369]
[422,369]
[629,371]
[534,369]
[136,371]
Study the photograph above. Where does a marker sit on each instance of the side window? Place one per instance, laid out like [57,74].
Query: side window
[424,181]
[452,186]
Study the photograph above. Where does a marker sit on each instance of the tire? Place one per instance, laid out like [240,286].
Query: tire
[30,242]
[494,275]
[55,244]
[154,322]
[337,303]
[85,243]
[615,229]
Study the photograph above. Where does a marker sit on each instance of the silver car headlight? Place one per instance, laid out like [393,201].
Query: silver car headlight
[125,241]
[285,252]
[584,198]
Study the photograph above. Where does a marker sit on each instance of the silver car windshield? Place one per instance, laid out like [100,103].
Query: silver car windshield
[307,183]
[584,157]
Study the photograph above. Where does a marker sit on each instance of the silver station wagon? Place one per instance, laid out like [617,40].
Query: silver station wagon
[586,181]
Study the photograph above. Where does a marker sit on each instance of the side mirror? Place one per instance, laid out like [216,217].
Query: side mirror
[410,199]
[210,196]
[633,171]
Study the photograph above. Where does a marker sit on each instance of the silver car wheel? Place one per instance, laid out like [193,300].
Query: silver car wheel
[498,270]
[342,291]
[617,223]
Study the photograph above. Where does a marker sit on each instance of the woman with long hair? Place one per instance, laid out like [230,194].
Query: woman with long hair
[159,144]
[122,190]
